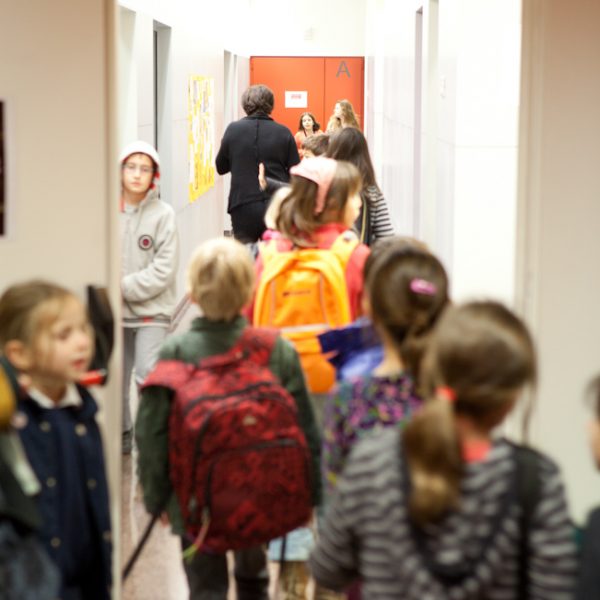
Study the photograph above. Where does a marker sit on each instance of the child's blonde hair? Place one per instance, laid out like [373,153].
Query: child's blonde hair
[220,278]
[30,308]
[300,214]
[274,206]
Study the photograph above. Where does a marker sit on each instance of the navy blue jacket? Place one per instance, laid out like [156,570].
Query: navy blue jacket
[64,448]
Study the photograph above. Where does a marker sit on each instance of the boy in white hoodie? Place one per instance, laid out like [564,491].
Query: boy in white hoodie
[150,256]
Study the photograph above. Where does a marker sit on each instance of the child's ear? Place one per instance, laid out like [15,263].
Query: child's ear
[19,355]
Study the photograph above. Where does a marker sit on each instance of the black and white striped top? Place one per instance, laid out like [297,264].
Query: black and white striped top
[366,534]
[380,225]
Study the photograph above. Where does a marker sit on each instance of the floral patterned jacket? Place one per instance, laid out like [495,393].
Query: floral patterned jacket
[356,408]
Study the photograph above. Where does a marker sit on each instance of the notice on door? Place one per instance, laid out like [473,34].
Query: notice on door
[296,99]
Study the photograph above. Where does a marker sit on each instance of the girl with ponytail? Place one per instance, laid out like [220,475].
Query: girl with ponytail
[406,290]
[446,508]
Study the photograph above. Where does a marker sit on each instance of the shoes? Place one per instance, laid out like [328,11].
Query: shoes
[127,442]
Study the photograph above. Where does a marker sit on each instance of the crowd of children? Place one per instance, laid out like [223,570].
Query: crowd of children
[383,407]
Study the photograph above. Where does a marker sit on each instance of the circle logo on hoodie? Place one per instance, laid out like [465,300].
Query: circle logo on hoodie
[145,242]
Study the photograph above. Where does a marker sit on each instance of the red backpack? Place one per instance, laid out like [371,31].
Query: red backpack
[239,461]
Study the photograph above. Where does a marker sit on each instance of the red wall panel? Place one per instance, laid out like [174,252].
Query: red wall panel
[326,80]
[345,81]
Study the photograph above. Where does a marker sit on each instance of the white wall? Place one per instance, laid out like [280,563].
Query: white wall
[454,182]
[538,253]
[292,28]
[57,77]
[389,104]
[485,45]
[194,48]
[559,212]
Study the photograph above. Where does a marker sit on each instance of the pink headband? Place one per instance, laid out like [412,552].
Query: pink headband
[321,170]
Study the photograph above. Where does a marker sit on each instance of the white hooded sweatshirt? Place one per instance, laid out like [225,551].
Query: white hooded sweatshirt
[150,253]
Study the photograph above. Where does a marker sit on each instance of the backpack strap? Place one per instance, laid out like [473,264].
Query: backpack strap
[258,343]
[254,343]
[170,374]
[344,245]
[268,249]
[528,495]
[525,490]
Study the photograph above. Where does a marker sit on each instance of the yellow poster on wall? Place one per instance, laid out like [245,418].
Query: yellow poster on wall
[201,135]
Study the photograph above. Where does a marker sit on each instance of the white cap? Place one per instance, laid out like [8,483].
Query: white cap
[141,147]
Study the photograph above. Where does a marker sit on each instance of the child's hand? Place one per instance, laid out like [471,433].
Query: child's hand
[262,180]
[164,519]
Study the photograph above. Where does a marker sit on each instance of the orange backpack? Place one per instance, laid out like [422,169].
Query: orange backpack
[303,292]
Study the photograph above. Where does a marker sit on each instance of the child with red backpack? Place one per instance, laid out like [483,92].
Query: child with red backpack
[228,446]
[309,281]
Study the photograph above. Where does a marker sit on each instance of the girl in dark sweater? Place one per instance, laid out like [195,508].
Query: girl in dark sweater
[445,509]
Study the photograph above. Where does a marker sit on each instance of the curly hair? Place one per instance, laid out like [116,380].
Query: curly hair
[258,98]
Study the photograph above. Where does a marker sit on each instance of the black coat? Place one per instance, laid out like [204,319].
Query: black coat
[247,143]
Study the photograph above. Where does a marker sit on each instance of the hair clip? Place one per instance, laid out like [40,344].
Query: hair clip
[422,286]
[445,393]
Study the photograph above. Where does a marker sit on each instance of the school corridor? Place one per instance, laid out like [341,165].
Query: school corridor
[481,116]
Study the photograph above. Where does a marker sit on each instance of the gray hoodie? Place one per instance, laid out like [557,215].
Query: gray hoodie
[150,257]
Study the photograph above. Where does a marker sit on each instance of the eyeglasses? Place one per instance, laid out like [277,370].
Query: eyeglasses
[132,167]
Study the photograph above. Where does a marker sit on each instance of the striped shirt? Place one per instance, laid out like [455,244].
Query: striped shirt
[381,223]
[367,534]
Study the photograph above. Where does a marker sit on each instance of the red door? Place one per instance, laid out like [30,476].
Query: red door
[345,81]
[316,83]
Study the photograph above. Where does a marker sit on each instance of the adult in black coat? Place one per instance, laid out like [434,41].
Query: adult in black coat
[255,139]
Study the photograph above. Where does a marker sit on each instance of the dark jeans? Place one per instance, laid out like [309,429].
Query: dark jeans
[208,578]
[248,221]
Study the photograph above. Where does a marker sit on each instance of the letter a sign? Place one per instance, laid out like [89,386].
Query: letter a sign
[343,68]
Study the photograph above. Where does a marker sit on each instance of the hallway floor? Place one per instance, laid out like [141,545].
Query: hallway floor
[158,573]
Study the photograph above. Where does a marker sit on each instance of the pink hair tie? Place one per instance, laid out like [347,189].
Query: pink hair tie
[445,393]
[321,170]
[422,286]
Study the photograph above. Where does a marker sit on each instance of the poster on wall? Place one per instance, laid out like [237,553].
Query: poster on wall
[2,172]
[201,135]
